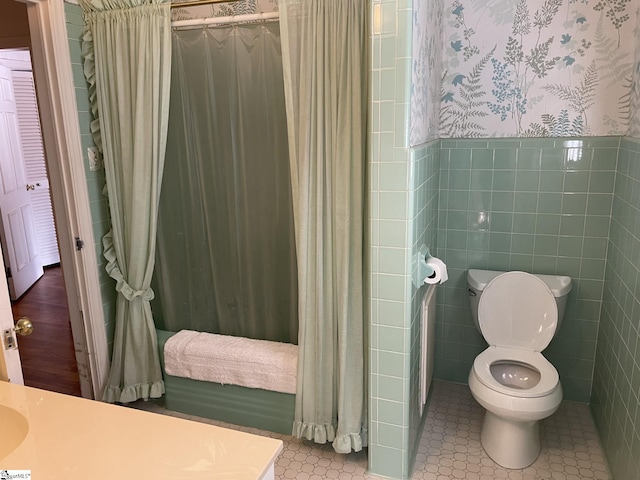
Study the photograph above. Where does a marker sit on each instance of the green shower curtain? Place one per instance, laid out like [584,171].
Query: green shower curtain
[226,260]
[127,50]
[324,59]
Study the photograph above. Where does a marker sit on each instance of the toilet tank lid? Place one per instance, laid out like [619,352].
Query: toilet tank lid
[560,285]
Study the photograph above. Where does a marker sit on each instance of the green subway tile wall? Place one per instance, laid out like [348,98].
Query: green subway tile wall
[395,421]
[392,178]
[537,205]
[391,192]
[95,179]
[615,401]
[404,186]
[425,175]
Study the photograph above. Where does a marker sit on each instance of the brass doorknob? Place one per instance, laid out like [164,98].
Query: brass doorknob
[24,327]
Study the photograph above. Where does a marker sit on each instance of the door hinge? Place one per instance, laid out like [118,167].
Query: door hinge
[79,244]
[8,272]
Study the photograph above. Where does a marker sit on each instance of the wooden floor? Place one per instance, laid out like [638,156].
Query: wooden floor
[47,355]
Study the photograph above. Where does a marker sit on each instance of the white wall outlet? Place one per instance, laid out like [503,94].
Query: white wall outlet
[95,162]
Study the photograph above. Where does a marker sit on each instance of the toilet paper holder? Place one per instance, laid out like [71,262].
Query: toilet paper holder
[428,269]
[421,270]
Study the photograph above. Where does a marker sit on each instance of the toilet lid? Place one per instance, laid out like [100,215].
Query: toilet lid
[518,310]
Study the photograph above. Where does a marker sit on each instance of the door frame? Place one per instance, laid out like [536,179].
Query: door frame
[68,186]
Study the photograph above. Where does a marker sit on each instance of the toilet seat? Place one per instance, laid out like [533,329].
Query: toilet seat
[549,378]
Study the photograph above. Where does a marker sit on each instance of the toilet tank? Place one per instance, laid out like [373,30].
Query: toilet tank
[477,280]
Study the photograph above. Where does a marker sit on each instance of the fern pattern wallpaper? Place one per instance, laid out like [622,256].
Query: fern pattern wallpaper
[512,68]
[531,68]
[426,71]
[243,7]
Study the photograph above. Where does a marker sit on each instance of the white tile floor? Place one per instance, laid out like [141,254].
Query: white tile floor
[450,446]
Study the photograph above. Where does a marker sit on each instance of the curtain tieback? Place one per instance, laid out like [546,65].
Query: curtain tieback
[113,269]
[129,293]
[124,288]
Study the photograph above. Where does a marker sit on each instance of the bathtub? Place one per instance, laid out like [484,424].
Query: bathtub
[250,407]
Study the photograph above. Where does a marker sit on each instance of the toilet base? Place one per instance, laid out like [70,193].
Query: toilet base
[513,445]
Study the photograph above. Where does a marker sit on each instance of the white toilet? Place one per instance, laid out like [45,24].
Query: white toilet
[518,315]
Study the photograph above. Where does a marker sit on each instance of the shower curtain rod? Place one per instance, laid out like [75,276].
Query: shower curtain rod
[225,20]
[199,2]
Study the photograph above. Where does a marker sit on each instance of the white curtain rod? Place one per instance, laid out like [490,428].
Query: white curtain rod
[230,19]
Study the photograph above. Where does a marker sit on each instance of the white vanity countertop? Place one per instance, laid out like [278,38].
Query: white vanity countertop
[73,438]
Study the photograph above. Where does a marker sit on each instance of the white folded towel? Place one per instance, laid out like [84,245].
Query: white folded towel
[233,360]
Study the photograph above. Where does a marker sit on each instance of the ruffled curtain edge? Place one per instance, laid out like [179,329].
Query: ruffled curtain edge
[132,393]
[323,433]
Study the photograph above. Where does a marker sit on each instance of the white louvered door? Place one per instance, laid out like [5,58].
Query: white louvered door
[18,229]
[35,165]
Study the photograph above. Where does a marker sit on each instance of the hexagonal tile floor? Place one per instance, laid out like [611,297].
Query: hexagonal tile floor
[450,446]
